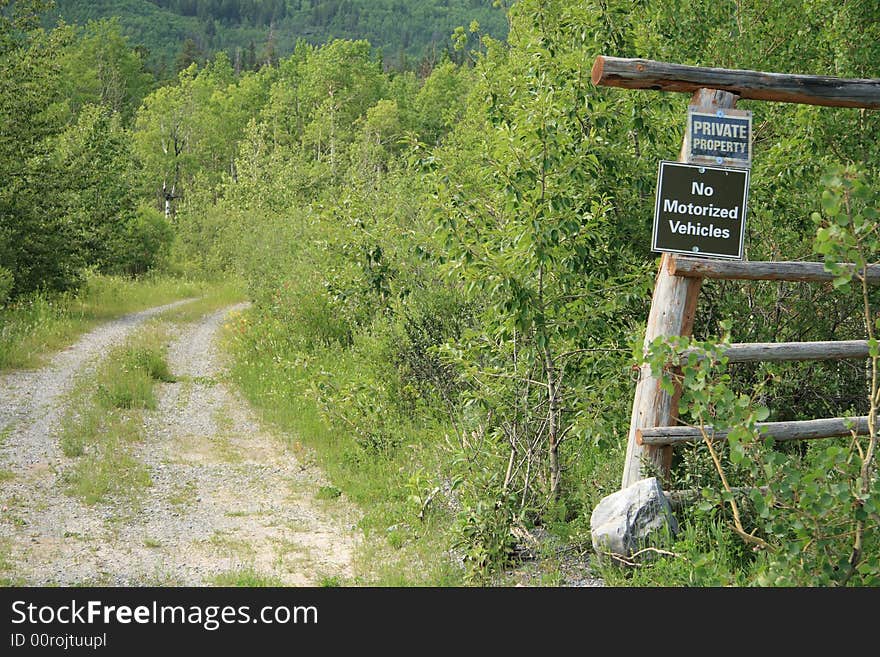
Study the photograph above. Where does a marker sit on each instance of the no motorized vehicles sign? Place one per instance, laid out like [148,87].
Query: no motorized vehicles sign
[700,210]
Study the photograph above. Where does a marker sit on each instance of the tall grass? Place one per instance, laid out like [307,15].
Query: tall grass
[277,371]
[34,327]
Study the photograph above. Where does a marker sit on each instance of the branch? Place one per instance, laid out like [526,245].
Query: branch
[509,376]
[748,538]
[622,559]
[608,350]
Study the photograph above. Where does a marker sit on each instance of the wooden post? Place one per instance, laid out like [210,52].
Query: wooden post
[672,313]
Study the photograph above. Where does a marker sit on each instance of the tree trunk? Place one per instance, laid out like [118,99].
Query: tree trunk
[553,423]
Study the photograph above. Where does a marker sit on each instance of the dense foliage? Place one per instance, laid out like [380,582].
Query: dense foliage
[451,268]
[251,32]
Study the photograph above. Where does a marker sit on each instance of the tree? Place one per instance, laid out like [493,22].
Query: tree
[528,227]
[189,54]
[94,156]
[37,247]
[101,68]
[440,102]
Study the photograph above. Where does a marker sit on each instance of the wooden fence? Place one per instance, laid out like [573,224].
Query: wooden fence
[653,426]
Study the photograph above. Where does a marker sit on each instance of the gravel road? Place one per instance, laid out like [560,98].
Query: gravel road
[228,497]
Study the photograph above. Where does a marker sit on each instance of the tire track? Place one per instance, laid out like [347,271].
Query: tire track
[227,496]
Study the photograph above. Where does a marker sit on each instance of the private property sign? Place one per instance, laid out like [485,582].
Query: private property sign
[700,210]
[723,137]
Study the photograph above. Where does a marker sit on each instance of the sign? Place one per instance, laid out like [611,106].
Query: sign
[700,210]
[722,138]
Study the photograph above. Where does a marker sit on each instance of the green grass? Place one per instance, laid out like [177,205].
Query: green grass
[111,471]
[705,552]
[245,577]
[105,417]
[275,375]
[33,328]
[330,581]
[328,493]
[213,298]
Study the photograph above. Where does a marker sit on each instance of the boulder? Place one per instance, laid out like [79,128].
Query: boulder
[623,522]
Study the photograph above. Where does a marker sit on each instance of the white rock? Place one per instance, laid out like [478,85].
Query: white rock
[623,522]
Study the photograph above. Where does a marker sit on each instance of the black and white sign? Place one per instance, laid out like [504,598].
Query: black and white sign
[700,210]
[721,138]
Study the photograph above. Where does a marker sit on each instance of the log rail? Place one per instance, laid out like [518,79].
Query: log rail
[753,85]
[832,427]
[744,270]
[777,352]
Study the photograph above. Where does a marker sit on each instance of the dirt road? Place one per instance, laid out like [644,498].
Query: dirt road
[229,501]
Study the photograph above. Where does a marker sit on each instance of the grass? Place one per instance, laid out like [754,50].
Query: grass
[245,577]
[105,418]
[229,545]
[275,375]
[328,493]
[36,326]
[213,298]
[183,495]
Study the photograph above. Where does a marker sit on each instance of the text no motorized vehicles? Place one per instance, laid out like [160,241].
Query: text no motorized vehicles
[700,210]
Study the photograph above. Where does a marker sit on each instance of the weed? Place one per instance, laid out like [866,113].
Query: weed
[111,471]
[183,495]
[244,577]
[328,493]
[230,545]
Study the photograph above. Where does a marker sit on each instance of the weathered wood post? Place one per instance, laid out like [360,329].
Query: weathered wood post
[672,313]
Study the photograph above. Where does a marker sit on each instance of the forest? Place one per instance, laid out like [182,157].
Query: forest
[176,32]
[451,268]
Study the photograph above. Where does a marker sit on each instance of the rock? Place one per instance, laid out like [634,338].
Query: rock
[623,522]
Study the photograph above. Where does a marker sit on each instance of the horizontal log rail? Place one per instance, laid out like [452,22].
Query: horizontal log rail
[780,431]
[755,85]
[745,270]
[772,352]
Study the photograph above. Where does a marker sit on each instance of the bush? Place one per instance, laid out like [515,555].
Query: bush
[146,242]
[7,282]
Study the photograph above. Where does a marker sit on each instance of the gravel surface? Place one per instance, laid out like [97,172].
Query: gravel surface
[30,399]
[228,497]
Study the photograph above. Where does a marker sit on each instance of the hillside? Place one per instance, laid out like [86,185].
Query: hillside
[406,31]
